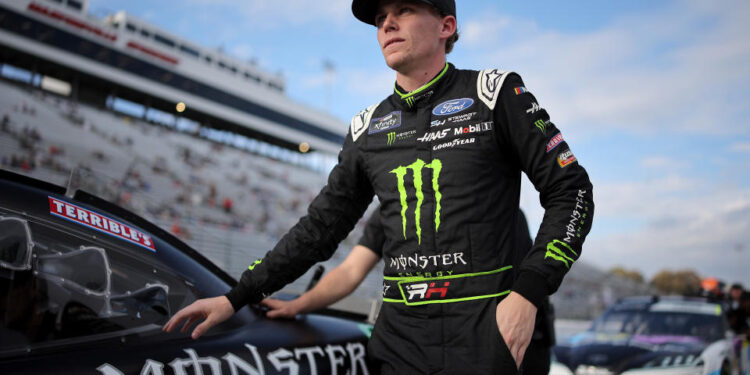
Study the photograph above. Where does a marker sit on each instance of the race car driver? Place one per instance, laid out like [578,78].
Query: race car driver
[444,154]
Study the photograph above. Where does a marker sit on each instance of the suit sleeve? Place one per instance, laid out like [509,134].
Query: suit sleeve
[373,237]
[315,237]
[565,191]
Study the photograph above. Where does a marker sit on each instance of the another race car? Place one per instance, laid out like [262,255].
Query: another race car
[85,287]
[653,335]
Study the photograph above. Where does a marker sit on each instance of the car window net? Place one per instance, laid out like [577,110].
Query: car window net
[79,287]
[15,244]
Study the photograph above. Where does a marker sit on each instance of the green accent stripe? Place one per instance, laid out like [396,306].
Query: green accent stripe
[252,266]
[472,298]
[424,87]
[392,300]
[420,278]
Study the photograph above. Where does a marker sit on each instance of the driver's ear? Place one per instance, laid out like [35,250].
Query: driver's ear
[448,26]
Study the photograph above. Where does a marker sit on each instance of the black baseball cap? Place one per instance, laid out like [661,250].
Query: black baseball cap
[365,10]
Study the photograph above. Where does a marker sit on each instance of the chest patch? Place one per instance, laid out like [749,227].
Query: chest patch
[452,106]
[387,122]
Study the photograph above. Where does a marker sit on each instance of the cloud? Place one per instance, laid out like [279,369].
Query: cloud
[743,147]
[705,238]
[684,67]
[662,163]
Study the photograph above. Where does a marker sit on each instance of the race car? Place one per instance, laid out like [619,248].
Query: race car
[653,336]
[85,287]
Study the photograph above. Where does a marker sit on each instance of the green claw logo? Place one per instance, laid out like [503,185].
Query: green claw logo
[436,165]
[541,125]
[557,254]
[391,138]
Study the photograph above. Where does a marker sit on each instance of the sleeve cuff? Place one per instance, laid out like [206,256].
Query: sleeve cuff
[241,295]
[531,286]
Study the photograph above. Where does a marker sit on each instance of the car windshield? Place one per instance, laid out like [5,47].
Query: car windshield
[57,284]
[661,323]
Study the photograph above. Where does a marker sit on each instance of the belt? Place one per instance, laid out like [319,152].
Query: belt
[418,290]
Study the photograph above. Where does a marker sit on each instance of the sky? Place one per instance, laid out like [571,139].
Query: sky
[653,98]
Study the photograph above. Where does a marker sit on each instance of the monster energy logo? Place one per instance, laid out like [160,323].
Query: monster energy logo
[410,101]
[391,138]
[541,125]
[556,253]
[436,165]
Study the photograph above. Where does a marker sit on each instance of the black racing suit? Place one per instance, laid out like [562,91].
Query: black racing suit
[445,162]
[537,357]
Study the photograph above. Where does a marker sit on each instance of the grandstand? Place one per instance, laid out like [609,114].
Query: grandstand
[203,145]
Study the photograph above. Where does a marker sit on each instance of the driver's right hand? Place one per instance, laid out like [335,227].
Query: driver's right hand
[212,310]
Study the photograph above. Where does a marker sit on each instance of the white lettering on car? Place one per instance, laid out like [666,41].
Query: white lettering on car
[287,360]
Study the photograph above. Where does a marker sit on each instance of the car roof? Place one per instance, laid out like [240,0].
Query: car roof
[680,304]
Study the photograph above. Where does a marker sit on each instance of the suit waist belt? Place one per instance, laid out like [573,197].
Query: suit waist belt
[417,290]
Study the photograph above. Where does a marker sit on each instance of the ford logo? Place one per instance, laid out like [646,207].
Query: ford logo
[452,106]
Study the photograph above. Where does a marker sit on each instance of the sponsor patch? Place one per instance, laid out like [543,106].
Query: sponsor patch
[488,86]
[577,218]
[387,122]
[554,142]
[419,261]
[534,108]
[431,136]
[541,125]
[565,158]
[454,143]
[99,222]
[426,290]
[475,128]
[456,131]
[393,137]
[437,123]
[452,106]
[462,117]
[360,121]
[520,90]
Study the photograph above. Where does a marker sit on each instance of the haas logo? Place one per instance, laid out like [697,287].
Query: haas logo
[425,290]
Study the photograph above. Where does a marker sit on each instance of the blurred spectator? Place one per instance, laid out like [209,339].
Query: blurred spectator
[227,204]
[4,124]
[735,292]
[736,314]
[745,307]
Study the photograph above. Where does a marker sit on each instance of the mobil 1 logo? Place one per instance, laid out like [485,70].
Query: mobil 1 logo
[456,131]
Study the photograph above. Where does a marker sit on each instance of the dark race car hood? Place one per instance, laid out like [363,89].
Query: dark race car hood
[619,352]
